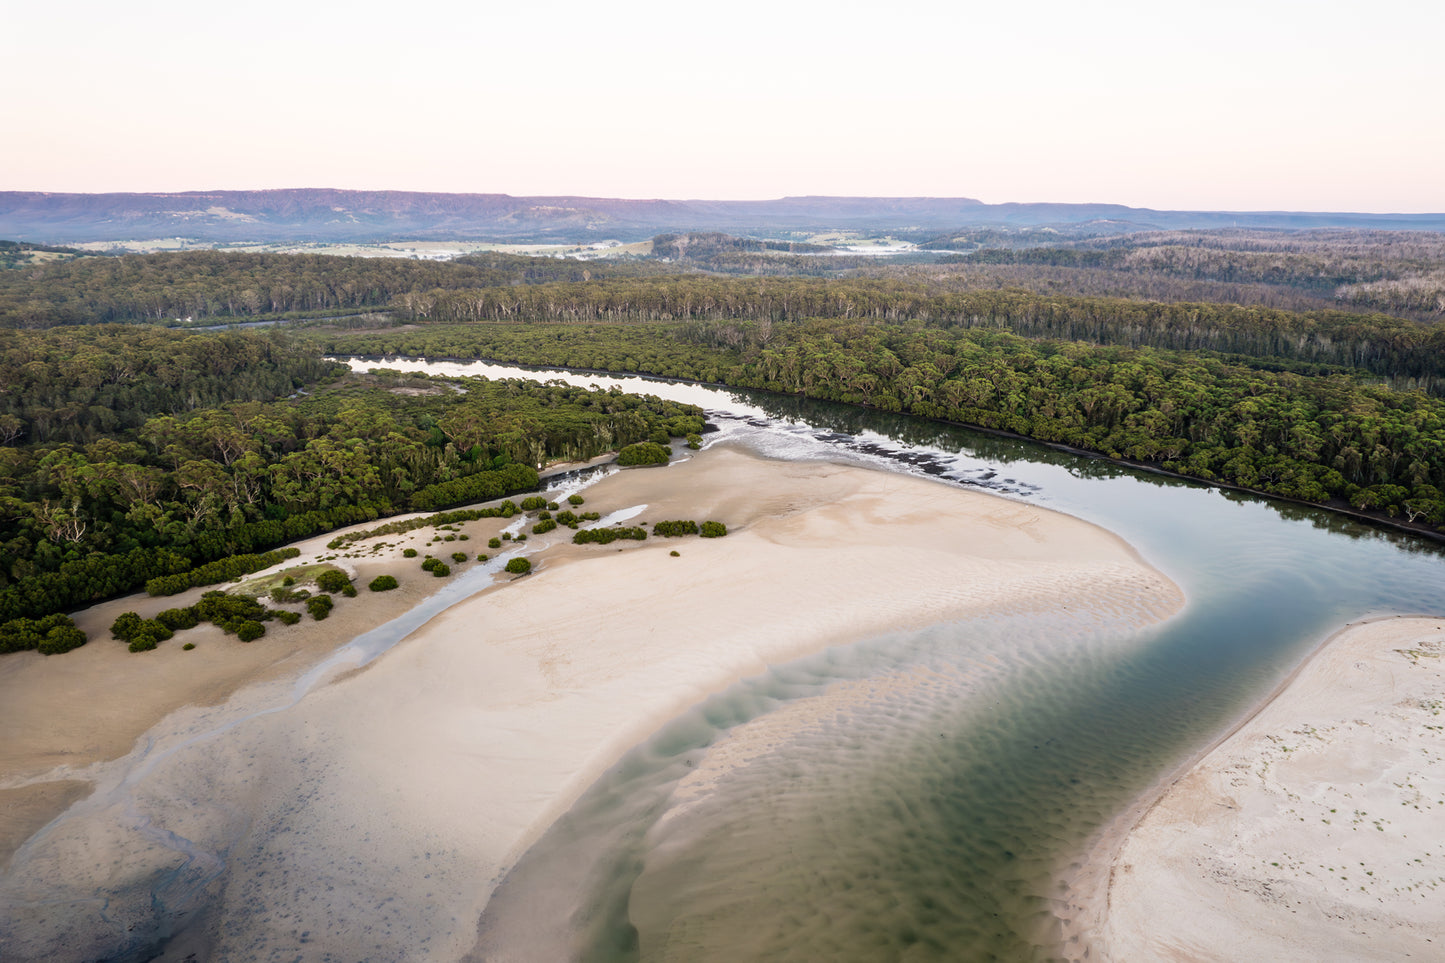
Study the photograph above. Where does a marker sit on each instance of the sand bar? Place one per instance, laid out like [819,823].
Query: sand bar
[374,818]
[1314,831]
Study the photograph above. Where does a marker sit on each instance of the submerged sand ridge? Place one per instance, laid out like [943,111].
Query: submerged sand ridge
[374,818]
[1314,831]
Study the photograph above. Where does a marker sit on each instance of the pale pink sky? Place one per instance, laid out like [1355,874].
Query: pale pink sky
[1259,105]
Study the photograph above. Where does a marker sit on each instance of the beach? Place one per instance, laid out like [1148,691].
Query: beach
[1312,832]
[374,817]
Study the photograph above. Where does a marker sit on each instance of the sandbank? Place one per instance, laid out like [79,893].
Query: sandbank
[1311,833]
[374,818]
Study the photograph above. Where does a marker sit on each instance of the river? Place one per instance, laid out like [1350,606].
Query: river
[929,811]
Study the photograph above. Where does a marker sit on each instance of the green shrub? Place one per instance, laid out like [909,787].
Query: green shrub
[464,538]
[129,626]
[483,558]
[459,557]
[332,580]
[533,502]
[494,543]
[506,536]
[552,506]
[694,441]
[441,570]
[714,529]
[644,453]
[319,606]
[188,646]
[575,500]
[519,566]
[675,553]
[178,619]
[228,611]
[49,635]
[250,631]
[544,526]
[408,553]
[143,642]
[288,618]
[282,594]
[605,536]
[126,626]
[675,529]
[544,515]
[383,583]
[221,570]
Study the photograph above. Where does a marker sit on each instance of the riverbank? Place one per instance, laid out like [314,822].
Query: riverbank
[1312,832]
[375,817]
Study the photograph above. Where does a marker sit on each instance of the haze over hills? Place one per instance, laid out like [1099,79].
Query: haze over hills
[324,214]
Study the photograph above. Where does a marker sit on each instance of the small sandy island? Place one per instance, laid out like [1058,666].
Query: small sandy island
[373,818]
[1312,833]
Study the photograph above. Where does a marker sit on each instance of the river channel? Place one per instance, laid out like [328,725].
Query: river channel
[921,793]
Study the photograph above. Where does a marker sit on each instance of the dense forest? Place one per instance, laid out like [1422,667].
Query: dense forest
[1411,354]
[1395,272]
[95,507]
[134,451]
[1326,437]
[231,284]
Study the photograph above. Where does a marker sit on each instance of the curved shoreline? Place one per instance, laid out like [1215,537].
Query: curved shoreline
[470,738]
[1248,849]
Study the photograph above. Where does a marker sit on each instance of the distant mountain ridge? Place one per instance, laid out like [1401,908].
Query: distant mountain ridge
[325,214]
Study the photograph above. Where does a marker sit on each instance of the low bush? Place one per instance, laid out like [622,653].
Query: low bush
[178,619]
[332,580]
[675,529]
[319,606]
[494,543]
[250,631]
[533,502]
[575,500]
[408,553]
[605,536]
[644,453]
[383,583]
[544,526]
[519,566]
[713,530]
[459,557]
[50,635]
[221,570]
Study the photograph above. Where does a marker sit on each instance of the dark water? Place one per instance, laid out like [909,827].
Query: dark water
[915,797]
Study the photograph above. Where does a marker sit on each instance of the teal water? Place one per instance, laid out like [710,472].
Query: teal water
[926,811]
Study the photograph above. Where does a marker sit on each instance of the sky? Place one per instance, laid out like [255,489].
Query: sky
[1229,105]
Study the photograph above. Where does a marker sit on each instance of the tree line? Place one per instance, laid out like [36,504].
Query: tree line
[1329,437]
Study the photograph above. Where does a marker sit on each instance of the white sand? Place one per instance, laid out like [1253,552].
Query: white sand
[1315,832]
[377,815]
